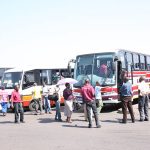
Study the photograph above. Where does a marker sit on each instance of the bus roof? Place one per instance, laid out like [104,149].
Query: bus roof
[113,51]
[97,53]
[31,68]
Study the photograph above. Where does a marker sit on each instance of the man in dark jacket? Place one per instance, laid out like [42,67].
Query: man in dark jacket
[126,98]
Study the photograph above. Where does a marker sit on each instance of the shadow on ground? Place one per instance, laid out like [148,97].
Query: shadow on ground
[74,126]
[48,120]
[7,122]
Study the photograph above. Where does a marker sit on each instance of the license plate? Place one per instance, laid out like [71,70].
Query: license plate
[79,99]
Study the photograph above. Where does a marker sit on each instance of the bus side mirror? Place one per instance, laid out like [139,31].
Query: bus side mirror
[69,67]
[114,63]
[69,70]
[116,59]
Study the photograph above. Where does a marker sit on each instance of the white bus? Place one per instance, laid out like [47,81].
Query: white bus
[26,77]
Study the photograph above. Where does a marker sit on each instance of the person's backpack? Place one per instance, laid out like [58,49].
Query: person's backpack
[53,97]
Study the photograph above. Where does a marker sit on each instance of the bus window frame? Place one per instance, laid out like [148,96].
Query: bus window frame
[142,61]
[129,62]
[148,63]
[135,62]
[122,59]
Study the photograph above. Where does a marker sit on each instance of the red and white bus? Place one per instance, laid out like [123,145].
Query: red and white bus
[108,68]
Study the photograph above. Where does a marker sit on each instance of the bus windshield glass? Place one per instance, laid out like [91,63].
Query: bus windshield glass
[10,79]
[95,67]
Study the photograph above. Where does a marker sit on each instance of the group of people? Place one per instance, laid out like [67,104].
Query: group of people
[126,99]
[92,100]
[44,98]
[16,102]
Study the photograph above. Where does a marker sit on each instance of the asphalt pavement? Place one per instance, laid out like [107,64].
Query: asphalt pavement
[42,132]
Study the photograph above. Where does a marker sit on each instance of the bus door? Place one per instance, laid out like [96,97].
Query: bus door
[119,72]
[38,75]
[28,79]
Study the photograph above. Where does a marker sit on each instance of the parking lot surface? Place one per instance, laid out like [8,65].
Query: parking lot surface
[42,132]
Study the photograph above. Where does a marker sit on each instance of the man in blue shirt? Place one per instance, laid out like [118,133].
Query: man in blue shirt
[126,98]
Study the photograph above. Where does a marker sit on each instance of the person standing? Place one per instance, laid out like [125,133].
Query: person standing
[68,96]
[143,99]
[57,103]
[16,103]
[85,112]
[4,98]
[126,98]
[37,97]
[98,97]
[45,97]
[123,74]
[88,94]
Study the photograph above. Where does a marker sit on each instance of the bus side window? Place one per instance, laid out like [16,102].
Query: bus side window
[26,81]
[129,60]
[122,59]
[136,61]
[142,62]
[137,65]
[148,62]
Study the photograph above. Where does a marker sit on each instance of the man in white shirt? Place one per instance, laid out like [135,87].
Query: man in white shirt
[143,99]
[47,105]
[98,97]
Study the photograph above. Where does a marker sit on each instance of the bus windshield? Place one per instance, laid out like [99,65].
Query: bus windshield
[10,79]
[95,67]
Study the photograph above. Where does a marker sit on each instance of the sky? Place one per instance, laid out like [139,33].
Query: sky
[51,32]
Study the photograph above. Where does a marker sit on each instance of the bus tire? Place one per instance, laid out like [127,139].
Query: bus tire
[33,106]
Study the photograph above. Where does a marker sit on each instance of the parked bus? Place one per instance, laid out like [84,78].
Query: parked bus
[108,68]
[27,77]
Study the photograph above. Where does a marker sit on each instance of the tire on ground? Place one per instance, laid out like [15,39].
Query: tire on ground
[33,106]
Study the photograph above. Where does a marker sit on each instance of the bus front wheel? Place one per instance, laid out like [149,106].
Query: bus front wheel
[33,106]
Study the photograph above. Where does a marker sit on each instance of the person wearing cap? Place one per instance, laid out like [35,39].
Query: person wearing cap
[143,99]
[88,95]
[126,98]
